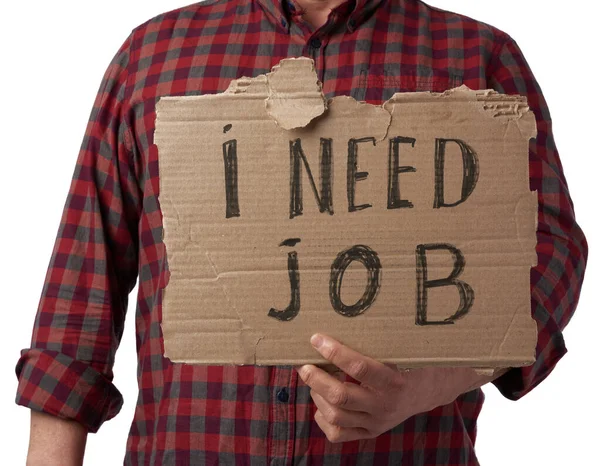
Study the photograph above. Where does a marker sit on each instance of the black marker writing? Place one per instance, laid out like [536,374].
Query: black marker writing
[353,174]
[231,179]
[291,242]
[370,260]
[423,284]
[470,172]
[394,200]
[297,158]
[294,274]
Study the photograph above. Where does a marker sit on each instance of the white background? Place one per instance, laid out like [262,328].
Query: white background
[53,55]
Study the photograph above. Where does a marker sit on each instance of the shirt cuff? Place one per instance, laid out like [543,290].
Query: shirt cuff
[519,381]
[55,383]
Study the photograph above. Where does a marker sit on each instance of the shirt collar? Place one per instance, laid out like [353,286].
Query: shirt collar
[357,11]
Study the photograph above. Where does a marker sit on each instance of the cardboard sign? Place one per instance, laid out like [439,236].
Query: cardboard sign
[406,231]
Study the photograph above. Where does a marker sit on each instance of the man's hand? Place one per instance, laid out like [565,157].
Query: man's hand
[385,396]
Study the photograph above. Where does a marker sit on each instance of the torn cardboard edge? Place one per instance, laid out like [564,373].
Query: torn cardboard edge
[293,100]
[291,109]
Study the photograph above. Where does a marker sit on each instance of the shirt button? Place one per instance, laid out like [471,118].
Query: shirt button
[315,43]
[283,395]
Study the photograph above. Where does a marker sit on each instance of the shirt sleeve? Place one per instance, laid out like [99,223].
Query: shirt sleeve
[67,371]
[561,245]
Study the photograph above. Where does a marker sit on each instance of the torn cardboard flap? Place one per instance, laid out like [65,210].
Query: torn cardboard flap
[290,108]
[406,230]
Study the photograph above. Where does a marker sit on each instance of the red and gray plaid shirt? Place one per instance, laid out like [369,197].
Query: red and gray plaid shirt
[111,233]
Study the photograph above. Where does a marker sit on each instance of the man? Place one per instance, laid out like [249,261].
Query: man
[111,233]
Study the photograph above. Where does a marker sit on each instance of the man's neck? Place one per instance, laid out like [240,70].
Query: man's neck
[316,12]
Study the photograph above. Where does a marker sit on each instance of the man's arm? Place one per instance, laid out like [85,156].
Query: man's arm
[67,370]
[386,396]
[54,441]
[561,245]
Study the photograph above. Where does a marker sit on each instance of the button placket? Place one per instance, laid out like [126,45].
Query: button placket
[318,41]
[315,50]
[283,418]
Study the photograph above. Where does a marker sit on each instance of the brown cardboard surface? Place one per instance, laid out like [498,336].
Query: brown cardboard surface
[234,247]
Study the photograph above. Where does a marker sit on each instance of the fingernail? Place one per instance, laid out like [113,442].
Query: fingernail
[316,340]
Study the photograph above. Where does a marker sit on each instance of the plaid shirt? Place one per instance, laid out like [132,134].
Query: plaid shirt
[111,228]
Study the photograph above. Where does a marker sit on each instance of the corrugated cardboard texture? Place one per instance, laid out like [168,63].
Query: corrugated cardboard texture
[260,257]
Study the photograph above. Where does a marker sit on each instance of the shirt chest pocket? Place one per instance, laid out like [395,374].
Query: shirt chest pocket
[378,83]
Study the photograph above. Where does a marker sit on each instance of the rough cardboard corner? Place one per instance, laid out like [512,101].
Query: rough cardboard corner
[285,214]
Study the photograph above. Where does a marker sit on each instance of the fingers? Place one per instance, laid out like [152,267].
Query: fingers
[362,368]
[347,411]
[341,417]
[337,393]
[336,434]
